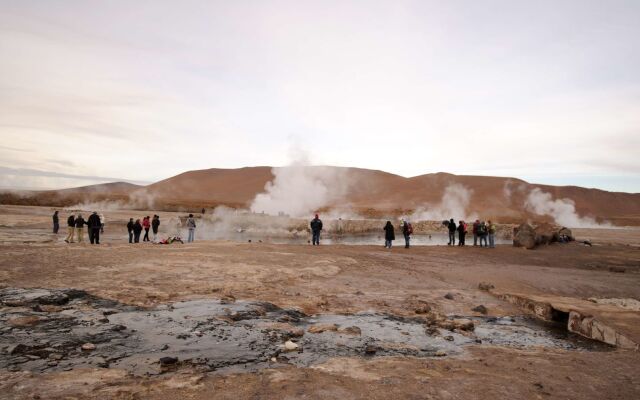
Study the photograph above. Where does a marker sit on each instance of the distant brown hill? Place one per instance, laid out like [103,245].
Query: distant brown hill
[368,192]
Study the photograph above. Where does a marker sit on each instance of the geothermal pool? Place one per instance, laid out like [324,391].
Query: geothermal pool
[436,239]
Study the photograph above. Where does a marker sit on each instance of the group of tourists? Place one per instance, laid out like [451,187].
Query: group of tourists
[481,232]
[76,224]
[390,234]
[135,228]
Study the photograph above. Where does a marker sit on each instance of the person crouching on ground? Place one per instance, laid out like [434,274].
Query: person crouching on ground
[316,227]
[389,235]
[137,230]
[462,231]
[79,222]
[94,225]
[130,229]
[71,228]
[155,224]
[191,224]
[452,233]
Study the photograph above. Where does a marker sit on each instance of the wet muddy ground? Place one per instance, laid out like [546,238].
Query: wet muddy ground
[52,330]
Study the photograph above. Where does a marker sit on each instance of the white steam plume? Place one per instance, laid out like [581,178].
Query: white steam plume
[454,203]
[563,211]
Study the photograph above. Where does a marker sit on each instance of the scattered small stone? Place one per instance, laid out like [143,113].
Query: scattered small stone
[290,346]
[198,333]
[323,328]
[351,330]
[539,385]
[227,299]
[104,320]
[480,309]
[449,338]
[17,349]
[88,347]
[55,356]
[440,353]
[359,293]
[118,328]
[370,350]
[168,360]
[273,359]
[100,362]
[164,347]
[449,296]
[32,357]
[485,286]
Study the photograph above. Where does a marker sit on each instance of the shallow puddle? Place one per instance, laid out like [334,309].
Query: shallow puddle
[45,329]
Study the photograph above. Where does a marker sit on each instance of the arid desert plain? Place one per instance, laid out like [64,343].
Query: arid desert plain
[274,319]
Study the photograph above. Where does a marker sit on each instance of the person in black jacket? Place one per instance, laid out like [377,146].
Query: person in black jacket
[56,222]
[137,230]
[71,228]
[389,234]
[462,232]
[155,224]
[130,230]
[94,225]
[452,233]
[316,227]
[79,222]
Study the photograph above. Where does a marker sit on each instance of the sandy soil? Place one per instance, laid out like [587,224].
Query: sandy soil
[338,279]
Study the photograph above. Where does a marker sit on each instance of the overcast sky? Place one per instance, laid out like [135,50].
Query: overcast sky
[547,91]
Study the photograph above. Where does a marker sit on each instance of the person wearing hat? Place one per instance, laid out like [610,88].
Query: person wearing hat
[316,227]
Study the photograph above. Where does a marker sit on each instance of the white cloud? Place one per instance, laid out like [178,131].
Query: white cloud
[144,91]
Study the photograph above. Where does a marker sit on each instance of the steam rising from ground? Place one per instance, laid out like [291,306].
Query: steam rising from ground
[299,190]
[138,200]
[563,211]
[454,204]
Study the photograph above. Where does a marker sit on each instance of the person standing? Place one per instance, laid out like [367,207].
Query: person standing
[491,228]
[94,225]
[452,233]
[482,233]
[101,222]
[155,224]
[476,226]
[79,222]
[389,235]
[56,222]
[462,231]
[316,227]
[407,231]
[191,225]
[137,230]
[71,227]
[130,229]
[146,224]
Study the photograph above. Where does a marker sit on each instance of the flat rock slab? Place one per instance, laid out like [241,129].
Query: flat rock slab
[607,322]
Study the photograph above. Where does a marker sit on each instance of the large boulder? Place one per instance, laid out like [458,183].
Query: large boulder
[524,236]
[529,237]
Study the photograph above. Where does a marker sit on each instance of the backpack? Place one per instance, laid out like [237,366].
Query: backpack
[409,229]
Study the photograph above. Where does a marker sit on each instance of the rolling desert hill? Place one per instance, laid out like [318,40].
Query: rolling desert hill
[367,192]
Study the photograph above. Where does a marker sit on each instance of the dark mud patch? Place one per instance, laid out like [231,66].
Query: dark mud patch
[43,330]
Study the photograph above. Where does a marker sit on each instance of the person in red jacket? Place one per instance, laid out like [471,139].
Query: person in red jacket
[146,224]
